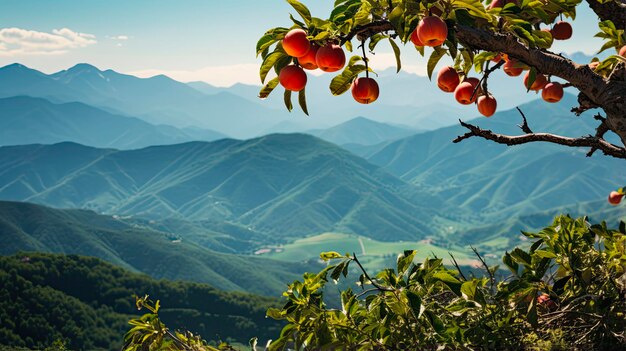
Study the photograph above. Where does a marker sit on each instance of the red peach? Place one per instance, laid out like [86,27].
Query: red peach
[552,92]
[463,93]
[432,31]
[330,58]
[511,69]
[562,31]
[415,39]
[448,79]
[292,78]
[296,43]
[365,90]
[539,83]
[487,105]
[615,198]
[308,61]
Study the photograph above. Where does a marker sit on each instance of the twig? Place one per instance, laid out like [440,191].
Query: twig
[492,279]
[524,126]
[458,268]
[585,141]
[378,286]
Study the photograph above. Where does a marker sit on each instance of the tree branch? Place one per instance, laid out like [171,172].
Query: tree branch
[608,94]
[602,129]
[587,141]
[611,10]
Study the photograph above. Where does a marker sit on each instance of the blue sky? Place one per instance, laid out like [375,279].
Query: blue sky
[208,40]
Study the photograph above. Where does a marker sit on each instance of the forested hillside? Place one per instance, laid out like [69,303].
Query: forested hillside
[87,303]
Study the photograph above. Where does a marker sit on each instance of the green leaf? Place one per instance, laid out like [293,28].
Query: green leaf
[330,255]
[341,83]
[396,51]
[302,10]
[302,101]
[269,62]
[437,54]
[288,102]
[415,303]
[522,257]
[450,281]
[545,254]
[375,39]
[268,88]
[274,313]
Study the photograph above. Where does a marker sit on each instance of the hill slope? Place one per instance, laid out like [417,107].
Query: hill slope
[362,131]
[27,120]
[490,181]
[88,302]
[27,227]
[284,185]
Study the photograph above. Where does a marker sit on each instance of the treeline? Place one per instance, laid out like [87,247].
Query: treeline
[86,303]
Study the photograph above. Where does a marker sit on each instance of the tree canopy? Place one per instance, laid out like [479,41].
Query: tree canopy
[476,37]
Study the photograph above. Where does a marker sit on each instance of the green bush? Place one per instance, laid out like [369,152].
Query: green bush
[567,291]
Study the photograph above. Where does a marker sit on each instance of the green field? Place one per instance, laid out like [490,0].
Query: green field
[375,254]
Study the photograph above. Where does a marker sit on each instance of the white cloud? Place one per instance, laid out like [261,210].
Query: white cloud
[119,37]
[18,42]
[223,76]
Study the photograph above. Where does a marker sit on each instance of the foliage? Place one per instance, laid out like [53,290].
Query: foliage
[568,289]
[83,303]
[349,20]
[150,332]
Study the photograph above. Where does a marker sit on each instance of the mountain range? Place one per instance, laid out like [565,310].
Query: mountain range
[494,182]
[283,185]
[158,100]
[406,99]
[362,131]
[28,120]
[28,227]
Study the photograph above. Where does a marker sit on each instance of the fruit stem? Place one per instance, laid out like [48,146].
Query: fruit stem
[367,70]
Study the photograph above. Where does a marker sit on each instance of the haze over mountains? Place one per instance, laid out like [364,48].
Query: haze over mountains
[406,99]
[236,196]
[28,120]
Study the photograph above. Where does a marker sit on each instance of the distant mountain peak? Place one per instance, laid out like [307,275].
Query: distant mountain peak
[18,68]
[83,67]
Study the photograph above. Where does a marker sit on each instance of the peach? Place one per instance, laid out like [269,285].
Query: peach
[622,51]
[292,78]
[539,83]
[415,39]
[330,58]
[432,31]
[296,43]
[309,61]
[365,90]
[552,92]
[562,31]
[615,198]
[463,93]
[487,105]
[511,69]
[500,3]
[594,65]
[448,79]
